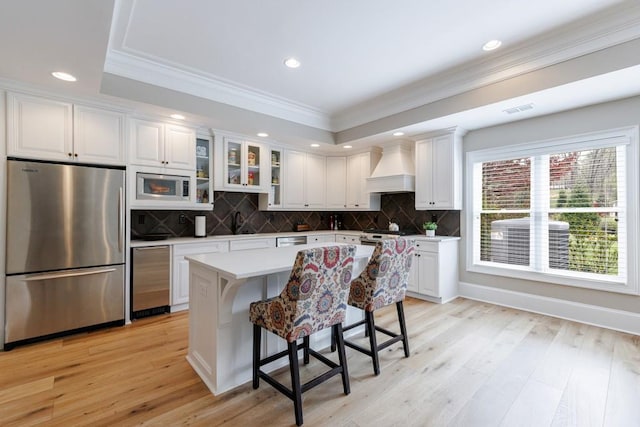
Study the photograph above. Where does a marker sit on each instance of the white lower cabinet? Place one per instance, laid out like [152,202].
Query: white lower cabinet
[180,269]
[434,273]
[258,243]
[323,238]
[348,238]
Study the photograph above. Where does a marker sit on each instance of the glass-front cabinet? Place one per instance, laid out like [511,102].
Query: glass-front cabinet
[203,171]
[275,192]
[245,166]
[273,199]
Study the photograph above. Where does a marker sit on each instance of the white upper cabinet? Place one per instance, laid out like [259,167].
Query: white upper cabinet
[241,165]
[273,199]
[337,182]
[162,145]
[359,167]
[304,180]
[439,172]
[180,147]
[98,135]
[315,180]
[47,129]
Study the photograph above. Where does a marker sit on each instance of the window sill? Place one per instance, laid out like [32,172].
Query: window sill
[600,284]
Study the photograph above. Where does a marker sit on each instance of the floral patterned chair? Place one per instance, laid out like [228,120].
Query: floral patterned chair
[383,282]
[315,298]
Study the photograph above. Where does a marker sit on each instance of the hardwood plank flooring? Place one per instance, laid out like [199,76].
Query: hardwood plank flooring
[471,364]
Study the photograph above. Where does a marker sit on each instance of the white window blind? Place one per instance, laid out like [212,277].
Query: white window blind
[557,209]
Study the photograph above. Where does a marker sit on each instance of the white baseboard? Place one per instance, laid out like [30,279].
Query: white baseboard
[623,321]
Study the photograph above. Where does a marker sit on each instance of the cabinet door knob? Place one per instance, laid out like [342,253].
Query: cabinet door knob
[75,155]
[69,154]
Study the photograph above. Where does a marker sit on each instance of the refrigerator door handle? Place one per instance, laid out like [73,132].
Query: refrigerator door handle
[49,276]
[120,219]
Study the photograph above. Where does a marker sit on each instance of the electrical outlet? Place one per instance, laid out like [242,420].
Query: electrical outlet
[182,219]
[141,219]
[434,218]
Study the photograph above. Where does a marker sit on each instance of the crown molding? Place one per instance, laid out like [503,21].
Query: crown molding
[124,61]
[616,25]
[141,67]
[602,31]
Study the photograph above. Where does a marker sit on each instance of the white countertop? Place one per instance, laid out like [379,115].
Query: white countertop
[424,238]
[260,262]
[187,240]
[180,240]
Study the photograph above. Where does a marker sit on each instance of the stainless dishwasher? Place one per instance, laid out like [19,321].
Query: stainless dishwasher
[291,241]
[150,281]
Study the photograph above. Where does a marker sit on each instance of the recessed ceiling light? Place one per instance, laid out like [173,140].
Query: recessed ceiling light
[348,146]
[315,145]
[64,76]
[491,45]
[292,62]
[262,134]
[177,116]
[398,133]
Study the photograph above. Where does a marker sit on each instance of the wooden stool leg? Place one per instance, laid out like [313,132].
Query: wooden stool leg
[371,330]
[403,328]
[295,381]
[257,335]
[342,357]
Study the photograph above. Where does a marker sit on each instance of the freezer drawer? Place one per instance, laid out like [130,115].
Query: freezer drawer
[151,281]
[49,303]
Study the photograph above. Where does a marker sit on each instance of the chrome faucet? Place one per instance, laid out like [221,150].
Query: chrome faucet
[236,222]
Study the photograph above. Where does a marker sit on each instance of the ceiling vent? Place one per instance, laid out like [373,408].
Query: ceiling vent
[519,109]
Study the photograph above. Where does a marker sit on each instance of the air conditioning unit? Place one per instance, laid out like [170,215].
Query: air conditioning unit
[510,242]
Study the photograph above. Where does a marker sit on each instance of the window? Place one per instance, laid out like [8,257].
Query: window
[562,211]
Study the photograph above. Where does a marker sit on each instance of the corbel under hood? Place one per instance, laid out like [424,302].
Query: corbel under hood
[395,172]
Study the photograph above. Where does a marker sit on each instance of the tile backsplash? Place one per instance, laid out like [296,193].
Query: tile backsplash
[396,207]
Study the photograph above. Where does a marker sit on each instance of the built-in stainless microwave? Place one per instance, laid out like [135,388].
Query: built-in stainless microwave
[151,186]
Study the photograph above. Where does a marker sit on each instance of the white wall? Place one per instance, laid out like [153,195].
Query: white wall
[594,118]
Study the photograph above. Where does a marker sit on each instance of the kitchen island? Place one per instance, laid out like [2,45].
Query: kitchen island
[221,287]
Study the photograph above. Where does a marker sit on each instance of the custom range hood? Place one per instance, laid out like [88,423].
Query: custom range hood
[395,172]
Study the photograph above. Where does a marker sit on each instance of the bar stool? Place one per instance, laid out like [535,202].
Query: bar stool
[383,282]
[314,298]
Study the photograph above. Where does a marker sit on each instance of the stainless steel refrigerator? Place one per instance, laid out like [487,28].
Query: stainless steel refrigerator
[65,249]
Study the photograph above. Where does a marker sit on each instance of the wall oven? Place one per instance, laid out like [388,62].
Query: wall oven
[150,186]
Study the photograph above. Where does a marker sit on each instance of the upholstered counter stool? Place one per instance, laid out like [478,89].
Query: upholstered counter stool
[383,282]
[314,298]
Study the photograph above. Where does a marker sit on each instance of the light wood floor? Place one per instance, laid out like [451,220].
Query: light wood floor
[471,364]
